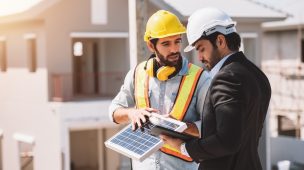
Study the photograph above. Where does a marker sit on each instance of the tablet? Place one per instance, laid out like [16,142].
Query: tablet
[157,130]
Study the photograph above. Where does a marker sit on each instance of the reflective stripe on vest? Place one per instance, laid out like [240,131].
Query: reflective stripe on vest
[141,87]
[182,101]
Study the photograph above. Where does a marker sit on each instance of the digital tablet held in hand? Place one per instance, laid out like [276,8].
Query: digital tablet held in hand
[157,130]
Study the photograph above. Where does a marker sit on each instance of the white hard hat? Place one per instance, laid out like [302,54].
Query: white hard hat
[206,21]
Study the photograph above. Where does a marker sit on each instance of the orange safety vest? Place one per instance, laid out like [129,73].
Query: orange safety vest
[182,101]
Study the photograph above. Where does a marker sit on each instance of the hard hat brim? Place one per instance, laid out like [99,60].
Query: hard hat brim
[163,36]
[218,28]
[188,48]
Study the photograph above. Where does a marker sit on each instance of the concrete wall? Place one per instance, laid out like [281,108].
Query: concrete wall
[245,30]
[78,116]
[281,62]
[23,101]
[77,18]
[1,152]
[281,46]
[16,47]
[24,110]
[116,64]
[284,148]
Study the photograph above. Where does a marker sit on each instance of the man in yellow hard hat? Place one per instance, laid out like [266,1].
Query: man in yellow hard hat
[166,84]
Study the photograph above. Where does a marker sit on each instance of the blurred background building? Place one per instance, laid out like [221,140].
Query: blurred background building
[62,61]
[283,58]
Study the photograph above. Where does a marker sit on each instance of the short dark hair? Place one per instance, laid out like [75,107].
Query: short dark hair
[233,40]
[154,41]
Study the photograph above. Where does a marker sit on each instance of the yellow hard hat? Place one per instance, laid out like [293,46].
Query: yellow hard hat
[163,24]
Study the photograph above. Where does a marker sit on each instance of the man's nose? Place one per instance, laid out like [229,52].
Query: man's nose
[175,48]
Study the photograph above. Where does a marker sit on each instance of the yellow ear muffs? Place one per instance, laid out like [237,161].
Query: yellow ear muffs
[164,72]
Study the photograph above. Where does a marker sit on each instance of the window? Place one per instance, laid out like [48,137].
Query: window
[31,51]
[25,151]
[78,48]
[2,55]
[289,127]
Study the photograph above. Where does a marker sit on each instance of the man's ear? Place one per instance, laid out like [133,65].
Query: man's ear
[221,41]
[150,46]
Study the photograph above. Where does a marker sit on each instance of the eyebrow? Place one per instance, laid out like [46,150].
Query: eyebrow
[197,48]
[165,42]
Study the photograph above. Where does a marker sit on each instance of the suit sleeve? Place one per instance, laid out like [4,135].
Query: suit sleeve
[228,104]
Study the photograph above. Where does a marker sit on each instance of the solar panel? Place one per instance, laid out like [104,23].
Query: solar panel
[134,144]
[140,144]
[168,123]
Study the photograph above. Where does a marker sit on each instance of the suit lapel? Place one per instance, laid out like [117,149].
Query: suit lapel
[236,57]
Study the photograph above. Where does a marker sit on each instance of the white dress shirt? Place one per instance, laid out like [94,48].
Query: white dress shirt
[218,66]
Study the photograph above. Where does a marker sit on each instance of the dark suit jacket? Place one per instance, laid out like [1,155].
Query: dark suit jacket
[234,111]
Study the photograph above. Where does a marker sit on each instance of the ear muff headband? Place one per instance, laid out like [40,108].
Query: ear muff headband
[162,73]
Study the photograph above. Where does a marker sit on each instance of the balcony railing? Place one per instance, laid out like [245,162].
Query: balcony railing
[82,86]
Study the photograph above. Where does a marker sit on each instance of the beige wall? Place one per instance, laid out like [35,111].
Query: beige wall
[24,110]
[77,18]
[242,28]
[16,43]
[74,16]
[1,152]
[116,63]
[24,100]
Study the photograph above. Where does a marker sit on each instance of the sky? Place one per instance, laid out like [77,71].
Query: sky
[8,7]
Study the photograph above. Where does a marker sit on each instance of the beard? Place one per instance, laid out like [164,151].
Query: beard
[165,60]
[214,59]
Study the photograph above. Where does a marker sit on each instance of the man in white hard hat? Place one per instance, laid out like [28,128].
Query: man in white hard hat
[237,100]
[167,84]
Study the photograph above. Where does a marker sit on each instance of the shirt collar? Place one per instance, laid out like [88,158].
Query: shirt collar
[184,69]
[218,66]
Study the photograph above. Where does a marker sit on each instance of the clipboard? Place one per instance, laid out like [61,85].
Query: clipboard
[157,130]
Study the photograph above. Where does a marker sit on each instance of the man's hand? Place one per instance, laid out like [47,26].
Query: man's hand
[173,142]
[139,116]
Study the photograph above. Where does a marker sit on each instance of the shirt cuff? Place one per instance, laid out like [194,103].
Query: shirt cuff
[183,149]
[198,125]
[111,113]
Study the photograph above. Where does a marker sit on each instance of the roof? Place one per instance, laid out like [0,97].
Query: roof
[183,8]
[8,7]
[295,10]
[241,10]
[28,14]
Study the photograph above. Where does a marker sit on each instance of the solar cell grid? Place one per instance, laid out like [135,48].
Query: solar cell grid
[140,144]
[138,141]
